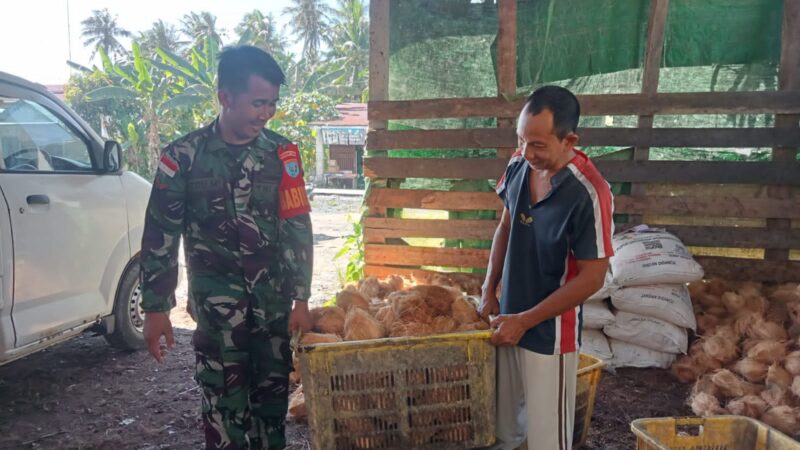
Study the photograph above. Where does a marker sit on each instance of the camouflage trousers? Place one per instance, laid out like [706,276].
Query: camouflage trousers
[243,364]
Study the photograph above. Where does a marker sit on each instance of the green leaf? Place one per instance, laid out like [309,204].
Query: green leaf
[177,72]
[179,63]
[184,101]
[107,65]
[140,64]
[111,92]
[79,67]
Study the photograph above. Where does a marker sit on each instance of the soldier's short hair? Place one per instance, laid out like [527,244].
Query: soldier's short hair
[236,64]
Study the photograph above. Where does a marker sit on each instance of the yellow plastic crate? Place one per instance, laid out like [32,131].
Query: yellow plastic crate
[709,433]
[433,392]
[589,371]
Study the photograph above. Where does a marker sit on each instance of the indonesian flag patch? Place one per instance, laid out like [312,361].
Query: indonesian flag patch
[168,166]
[292,190]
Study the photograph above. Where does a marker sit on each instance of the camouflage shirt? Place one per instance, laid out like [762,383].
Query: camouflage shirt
[224,201]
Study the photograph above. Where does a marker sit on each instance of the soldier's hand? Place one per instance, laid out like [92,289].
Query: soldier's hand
[157,324]
[300,318]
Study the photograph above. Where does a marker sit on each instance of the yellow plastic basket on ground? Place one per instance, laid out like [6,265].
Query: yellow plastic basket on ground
[709,433]
[433,392]
[589,371]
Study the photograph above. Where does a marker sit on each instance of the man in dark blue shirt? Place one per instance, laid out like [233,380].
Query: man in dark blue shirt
[551,250]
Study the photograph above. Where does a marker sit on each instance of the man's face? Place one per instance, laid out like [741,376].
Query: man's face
[247,112]
[539,144]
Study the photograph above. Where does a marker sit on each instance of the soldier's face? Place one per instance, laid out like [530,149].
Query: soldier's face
[247,112]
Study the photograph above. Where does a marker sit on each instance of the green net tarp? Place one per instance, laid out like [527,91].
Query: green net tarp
[447,49]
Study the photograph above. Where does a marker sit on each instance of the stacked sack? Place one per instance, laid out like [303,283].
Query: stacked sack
[647,289]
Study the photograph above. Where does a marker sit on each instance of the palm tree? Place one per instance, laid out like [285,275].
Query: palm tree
[200,27]
[349,54]
[260,30]
[161,35]
[309,22]
[101,31]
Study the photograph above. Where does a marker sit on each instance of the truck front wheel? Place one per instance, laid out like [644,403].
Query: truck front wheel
[128,314]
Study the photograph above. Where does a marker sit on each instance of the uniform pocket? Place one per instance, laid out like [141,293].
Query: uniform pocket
[207,197]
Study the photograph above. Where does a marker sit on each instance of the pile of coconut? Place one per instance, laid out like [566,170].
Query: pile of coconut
[746,360]
[392,307]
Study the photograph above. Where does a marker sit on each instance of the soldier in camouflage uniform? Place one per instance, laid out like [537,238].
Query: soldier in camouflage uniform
[235,192]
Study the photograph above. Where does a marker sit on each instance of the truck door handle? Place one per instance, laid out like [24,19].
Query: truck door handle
[38,200]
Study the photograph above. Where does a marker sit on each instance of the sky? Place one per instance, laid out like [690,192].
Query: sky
[35,42]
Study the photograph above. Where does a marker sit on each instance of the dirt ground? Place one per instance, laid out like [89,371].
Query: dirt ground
[84,394]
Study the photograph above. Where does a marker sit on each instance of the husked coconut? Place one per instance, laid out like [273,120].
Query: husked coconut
[731,385]
[297,404]
[777,312]
[474,326]
[443,324]
[749,405]
[745,320]
[410,306]
[756,303]
[328,319]
[401,329]
[709,300]
[718,311]
[396,282]
[765,330]
[792,362]
[386,316]
[767,351]
[463,311]
[733,302]
[696,288]
[704,404]
[702,360]
[775,396]
[752,370]
[706,323]
[469,283]
[706,386]
[360,326]
[778,376]
[437,297]
[793,309]
[295,377]
[785,295]
[369,287]
[717,286]
[347,299]
[319,338]
[721,347]
[782,418]
[685,369]
[749,289]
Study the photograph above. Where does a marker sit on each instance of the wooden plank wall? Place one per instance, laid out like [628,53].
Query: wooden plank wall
[751,206]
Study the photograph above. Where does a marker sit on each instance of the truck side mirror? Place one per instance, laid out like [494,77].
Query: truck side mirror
[112,156]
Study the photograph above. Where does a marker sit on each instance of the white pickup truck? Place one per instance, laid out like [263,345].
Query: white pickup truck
[70,227]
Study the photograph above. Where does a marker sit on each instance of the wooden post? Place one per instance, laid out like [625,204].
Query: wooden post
[378,70]
[788,79]
[506,63]
[650,74]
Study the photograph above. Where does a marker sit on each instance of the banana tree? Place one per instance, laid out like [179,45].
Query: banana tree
[194,80]
[165,88]
[138,81]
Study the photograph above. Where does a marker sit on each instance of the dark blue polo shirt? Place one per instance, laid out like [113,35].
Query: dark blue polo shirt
[572,222]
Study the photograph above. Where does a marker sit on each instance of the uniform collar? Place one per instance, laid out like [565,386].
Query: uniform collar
[216,143]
